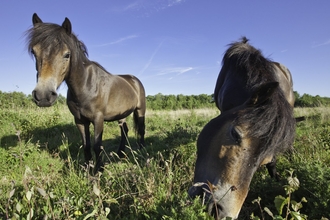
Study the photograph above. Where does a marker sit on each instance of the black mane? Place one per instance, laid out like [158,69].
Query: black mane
[242,58]
[271,122]
[45,34]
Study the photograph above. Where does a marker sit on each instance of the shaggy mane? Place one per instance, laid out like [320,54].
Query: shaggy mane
[273,121]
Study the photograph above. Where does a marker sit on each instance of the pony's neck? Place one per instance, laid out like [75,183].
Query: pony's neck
[76,77]
[80,77]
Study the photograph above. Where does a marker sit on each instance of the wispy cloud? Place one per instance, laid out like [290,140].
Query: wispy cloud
[147,7]
[321,44]
[174,70]
[174,2]
[151,58]
[132,6]
[127,7]
[120,40]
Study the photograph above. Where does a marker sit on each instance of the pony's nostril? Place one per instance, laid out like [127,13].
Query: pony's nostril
[34,95]
[195,191]
[52,95]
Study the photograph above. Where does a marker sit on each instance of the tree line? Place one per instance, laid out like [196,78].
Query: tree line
[162,102]
[307,100]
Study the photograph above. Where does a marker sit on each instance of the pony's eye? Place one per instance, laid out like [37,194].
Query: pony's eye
[32,52]
[235,135]
[67,55]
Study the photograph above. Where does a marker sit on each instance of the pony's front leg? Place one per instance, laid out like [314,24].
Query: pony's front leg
[83,128]
[123,133]
[98,132]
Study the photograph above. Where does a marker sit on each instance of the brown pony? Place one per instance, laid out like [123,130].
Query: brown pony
[256,123]
[94,95]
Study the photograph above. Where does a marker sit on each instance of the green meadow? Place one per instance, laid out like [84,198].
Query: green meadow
[43,174]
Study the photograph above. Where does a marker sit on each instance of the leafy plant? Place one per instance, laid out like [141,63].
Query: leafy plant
[286,207]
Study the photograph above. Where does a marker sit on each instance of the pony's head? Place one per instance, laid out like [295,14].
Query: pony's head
[232,146]
[53,47]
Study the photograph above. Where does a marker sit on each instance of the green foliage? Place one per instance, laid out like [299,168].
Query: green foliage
[286,207]
[14,99]
[175,102]
[307,100]
[162,102]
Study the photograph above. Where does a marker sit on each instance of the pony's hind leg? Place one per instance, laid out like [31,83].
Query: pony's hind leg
[141,131]
[123,133]
[139,124]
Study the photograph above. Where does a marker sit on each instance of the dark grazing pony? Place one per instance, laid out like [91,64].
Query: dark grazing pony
[94,95]
[256,123]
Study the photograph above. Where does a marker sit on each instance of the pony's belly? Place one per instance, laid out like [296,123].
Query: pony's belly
[116,115]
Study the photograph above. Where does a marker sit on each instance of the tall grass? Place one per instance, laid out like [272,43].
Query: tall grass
[43,174]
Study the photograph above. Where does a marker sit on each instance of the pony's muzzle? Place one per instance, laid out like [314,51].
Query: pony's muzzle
[216,209]
[44,99]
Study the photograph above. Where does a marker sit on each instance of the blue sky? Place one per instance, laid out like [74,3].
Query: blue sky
[175,46]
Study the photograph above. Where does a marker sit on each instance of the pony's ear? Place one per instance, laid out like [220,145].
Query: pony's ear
[262,93]
[67,26]
[36,19]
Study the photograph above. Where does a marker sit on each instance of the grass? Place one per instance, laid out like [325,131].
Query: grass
[43,177]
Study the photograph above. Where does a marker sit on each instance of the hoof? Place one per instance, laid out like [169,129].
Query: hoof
[121,154]
[99,167]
